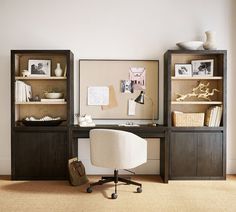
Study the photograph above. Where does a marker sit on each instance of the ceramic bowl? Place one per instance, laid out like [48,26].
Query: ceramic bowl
[53,95]
[190,45]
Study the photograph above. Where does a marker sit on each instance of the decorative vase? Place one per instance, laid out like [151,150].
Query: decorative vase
[58,70]
[210,43]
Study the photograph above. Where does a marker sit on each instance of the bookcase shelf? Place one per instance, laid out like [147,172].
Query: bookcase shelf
[42,103]
[40,152]
[39,85]
[196,152]
[40,78]
[197,78]
[197,103]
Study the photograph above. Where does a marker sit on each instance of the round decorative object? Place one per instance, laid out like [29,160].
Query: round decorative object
[53,95]
[210,43]
[58,70]
[190,45]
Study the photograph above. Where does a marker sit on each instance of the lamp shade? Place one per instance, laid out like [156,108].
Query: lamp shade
[140,98]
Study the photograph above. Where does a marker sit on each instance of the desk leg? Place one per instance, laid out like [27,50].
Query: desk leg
[164,157]
[73,146]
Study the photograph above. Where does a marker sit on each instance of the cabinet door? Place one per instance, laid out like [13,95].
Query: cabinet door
[210,154]
[183,154]
[53,155]
[40,155]
[27,155]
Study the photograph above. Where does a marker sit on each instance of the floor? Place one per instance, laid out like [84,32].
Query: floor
[24,196]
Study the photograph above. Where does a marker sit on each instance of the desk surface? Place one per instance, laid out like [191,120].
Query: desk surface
[144,131]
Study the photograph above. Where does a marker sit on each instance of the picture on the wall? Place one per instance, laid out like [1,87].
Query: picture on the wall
[137,75]
[183,70]
[126,86]
[202,68]
[40,68]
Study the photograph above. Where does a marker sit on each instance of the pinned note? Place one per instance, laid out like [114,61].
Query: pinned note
[98,95]
[131,107]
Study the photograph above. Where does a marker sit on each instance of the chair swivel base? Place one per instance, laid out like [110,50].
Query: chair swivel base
[114,179]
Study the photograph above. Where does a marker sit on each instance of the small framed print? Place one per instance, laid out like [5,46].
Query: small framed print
[39,68]
[202,68]
[183,70]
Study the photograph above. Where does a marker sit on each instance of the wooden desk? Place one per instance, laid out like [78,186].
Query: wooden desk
[143,131]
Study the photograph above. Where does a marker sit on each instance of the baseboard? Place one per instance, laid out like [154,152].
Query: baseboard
[5,166]
[231,167]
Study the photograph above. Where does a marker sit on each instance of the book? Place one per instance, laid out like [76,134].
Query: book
[214,115]
[219,115]
[52,100]
[23,92]
[28,92]
[209,116]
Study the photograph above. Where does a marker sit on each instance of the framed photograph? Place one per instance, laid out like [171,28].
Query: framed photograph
[202,68]
[183,70]
[40,68]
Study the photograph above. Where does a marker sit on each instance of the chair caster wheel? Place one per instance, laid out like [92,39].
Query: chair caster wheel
[139,190]
[89,190]
[114,196]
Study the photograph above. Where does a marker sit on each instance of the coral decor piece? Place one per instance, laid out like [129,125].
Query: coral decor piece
[202,91]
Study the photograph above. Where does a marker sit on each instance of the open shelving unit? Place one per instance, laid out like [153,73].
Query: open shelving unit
[195,152]
[41,152]
[40,84]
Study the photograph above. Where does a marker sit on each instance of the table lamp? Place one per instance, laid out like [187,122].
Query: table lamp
[140,100]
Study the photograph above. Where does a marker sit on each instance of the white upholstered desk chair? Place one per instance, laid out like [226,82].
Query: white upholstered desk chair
[118,150]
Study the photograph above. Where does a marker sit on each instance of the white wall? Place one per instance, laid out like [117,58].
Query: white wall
[129,29]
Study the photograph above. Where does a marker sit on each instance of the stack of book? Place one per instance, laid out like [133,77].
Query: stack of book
[213,116]
[23,92]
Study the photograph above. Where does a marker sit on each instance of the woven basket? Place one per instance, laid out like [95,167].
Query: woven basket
[188,119]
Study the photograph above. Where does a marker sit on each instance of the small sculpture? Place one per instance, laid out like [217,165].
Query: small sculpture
[85,121]
[25,73]
[201,91]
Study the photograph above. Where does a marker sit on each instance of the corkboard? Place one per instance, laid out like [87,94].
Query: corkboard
[109,73]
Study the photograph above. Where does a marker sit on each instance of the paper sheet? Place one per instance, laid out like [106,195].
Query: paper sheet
[131,107]
[98,95]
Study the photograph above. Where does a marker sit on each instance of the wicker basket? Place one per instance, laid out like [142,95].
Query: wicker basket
[188,119]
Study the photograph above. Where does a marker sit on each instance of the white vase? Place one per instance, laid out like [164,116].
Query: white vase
[210,43]
[58,70]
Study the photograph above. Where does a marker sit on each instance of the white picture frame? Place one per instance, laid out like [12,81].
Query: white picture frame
[39,68]
[202,68]
[183,70]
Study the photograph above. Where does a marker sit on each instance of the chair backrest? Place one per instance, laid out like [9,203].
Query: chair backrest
[117,149]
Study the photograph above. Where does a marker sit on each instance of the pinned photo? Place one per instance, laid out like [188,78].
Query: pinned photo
[137,75]
[127,86]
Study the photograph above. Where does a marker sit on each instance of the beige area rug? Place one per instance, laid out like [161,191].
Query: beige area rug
[30,196]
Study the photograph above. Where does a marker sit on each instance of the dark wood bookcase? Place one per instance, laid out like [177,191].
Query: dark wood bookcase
[195,152]
[186,152]
[41,152]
